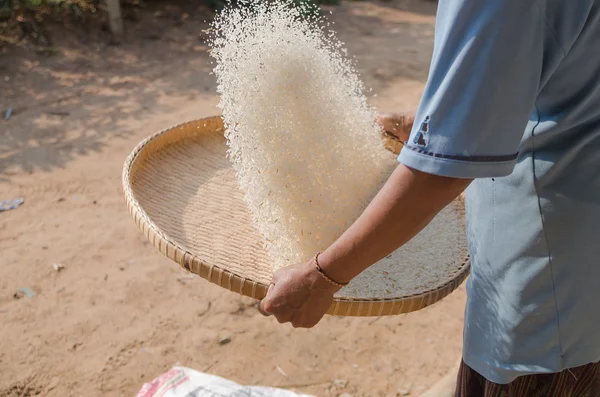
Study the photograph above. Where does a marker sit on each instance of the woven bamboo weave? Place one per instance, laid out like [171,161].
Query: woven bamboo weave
[183,195]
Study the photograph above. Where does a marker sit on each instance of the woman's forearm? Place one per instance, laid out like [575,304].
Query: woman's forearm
[408,201]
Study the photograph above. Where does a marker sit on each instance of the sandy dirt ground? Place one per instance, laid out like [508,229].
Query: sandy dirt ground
[120,314]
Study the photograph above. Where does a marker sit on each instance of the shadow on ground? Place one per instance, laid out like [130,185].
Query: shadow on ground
[70,103]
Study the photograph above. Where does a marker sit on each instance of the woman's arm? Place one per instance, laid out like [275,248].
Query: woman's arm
[405,205]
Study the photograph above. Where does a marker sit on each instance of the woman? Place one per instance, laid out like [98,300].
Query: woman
[511,114]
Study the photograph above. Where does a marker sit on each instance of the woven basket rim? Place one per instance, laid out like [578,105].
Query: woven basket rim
[177,252]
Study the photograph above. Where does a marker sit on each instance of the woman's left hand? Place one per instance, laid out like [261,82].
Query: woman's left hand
[298,295]
[397,124]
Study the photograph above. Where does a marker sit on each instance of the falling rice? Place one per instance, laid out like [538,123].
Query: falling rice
[302,138]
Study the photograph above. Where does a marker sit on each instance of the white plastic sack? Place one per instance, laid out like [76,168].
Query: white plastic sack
[185,382]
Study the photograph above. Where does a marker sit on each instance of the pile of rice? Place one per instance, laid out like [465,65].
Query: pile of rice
[302,138]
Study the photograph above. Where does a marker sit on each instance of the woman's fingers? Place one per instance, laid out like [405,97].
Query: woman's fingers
[397,124]
[262,311]
[264,303]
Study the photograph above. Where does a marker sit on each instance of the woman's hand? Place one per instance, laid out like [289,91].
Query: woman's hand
[397,124]
[298,295]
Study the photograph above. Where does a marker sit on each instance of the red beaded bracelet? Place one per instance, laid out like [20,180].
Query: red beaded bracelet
[325,276]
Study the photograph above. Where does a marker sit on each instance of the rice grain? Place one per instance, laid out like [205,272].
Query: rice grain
[302,138]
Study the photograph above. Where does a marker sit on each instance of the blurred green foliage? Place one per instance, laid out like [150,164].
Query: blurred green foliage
[312,4]
[27,18]
[12,8]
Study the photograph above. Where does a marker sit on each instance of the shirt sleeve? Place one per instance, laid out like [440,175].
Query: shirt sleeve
[483,82]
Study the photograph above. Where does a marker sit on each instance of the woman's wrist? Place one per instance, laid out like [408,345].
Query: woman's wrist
[317,279]
[335,268]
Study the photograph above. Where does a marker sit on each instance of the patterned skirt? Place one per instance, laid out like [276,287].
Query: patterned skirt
[581,381]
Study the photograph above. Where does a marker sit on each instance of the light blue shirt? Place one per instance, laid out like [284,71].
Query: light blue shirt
[513,100]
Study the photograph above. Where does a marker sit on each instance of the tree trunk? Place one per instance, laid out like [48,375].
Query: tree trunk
[114,17]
